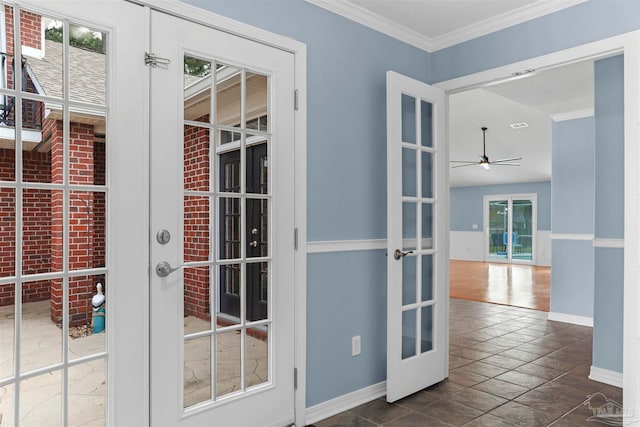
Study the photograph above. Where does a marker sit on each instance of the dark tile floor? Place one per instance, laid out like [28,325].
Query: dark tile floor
[508,366]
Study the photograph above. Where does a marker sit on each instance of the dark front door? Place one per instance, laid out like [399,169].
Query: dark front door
[256,233]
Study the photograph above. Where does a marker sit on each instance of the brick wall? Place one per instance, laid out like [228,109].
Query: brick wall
[196,220]
[7,238]
[81,223]
[36,241]
[99,206]
[30,35]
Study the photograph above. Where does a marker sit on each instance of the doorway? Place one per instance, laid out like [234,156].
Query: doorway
[510,222]
[626,44]
[257,222]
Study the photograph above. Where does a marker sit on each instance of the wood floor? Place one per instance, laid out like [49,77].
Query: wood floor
[510,284]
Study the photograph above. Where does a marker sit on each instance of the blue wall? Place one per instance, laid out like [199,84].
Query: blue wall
[347,65]
[337,311]
[466,203]
[573,199]
[609,219]
[347,164]
[584,23]
[346,171]
[573,184]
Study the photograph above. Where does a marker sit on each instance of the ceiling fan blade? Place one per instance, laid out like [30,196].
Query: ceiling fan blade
[466,164]
[505,164]
[507,160]
[464,161]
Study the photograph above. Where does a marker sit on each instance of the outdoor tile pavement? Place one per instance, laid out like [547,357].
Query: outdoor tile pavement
[41,346]
[509,366]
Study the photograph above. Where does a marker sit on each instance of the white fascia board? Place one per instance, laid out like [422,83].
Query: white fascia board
[27,135]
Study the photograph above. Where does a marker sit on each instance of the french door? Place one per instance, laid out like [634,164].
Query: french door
[70,118]
[417,248]
[222,319]
[510,224]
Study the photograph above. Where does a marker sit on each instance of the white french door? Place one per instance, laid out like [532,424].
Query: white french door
[510,224]
[70,117]
[417,226]
[222,186]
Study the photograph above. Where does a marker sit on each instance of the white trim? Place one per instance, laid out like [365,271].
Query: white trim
[572,115]
[608,243]
[32,52]
[300,267]
[345,402]
[212,20]
[598,49]
[346,246]
[27,135]
[502,21]
[606,376]
[393,29]
[571,318]
[376,22]
[565,236]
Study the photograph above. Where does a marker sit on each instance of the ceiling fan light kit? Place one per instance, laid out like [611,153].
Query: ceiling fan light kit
[484,160]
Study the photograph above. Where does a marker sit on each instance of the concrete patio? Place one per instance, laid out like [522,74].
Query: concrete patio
[41,346]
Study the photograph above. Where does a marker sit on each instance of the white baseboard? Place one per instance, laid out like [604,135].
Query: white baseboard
[606,376]
[570,318]
[345,402]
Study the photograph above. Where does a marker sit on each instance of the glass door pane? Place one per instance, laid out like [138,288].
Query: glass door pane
[522,230]
[54,204]
[226,230]
[498,229]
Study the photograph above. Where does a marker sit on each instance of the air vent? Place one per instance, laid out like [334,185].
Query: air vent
[519,125]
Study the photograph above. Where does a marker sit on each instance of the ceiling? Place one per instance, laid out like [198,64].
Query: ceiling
[436,24]
[558,93]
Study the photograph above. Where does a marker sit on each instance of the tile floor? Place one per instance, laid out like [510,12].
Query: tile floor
[508,366]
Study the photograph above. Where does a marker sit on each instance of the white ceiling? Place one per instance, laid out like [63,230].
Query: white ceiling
[560,92]
[436,18]
[436,24]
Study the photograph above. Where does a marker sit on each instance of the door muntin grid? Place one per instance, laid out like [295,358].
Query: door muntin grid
[419,199]
[54,194]
[231,106]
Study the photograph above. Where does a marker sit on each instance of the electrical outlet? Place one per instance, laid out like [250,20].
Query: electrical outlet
[355,345]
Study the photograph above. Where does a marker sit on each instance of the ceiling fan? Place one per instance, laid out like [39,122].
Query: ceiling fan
[484,160]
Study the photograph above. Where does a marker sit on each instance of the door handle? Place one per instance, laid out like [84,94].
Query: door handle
[254,244]
[163,269]
[399,254]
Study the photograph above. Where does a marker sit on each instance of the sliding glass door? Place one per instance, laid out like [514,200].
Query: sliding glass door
[510,226]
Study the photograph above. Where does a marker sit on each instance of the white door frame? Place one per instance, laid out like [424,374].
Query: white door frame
[629,45]
[534,226]
[299,50]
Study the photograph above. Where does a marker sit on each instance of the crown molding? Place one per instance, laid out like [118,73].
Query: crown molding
[572,115]
[372,20]
[502,21]
[391,28]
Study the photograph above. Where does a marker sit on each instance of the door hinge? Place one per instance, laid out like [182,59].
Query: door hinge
[295,378]
[295,238]
[152,60]
[295,99]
